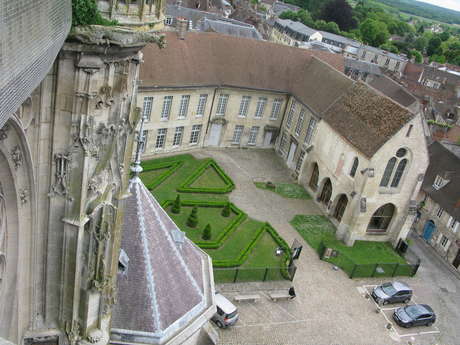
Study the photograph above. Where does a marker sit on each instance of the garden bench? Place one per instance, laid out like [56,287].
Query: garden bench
[239,298]
[274,296]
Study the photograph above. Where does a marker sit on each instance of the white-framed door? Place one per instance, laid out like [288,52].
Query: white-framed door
[292,148]
[214,134]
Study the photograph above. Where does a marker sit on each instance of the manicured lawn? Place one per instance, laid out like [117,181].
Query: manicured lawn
[370,258]
[287,190]
[236,241]
[209,179]
[206,215]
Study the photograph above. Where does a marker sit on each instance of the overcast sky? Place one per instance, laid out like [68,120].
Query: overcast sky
[452,4]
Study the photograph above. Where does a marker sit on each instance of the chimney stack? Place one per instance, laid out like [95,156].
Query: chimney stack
[181,25]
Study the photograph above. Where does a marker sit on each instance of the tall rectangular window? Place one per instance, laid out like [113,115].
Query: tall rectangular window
[298,127]
[144,138]
[222,104]
[283,140]
[147,108]
[290,114]
[260,109]
[387,61]
[397,65]
[161,138]
[299,161]
[440,212]
[244,105]
[237,134]
[253,135]
[453,224]
[444,241]
[310,131]
[276,108]
[195,134]
[201,105]
[178,134]
[167,102]
[183,109]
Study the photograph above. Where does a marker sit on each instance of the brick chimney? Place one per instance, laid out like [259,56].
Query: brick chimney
[181,26]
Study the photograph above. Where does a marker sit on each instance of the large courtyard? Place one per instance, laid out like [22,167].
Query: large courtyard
[329,307]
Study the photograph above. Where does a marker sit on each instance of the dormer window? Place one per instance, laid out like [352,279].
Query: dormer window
[439,182]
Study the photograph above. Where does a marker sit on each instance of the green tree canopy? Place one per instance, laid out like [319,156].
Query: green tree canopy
[374,32]
[340,12]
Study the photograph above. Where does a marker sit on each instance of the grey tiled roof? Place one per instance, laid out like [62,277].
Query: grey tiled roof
[280,7]
[341,39]
[164,287]
[383,52]
[296,26]
[444,161]
[230,28]
[362,66]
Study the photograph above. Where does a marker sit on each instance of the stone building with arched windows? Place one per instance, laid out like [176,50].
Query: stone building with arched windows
[359,153]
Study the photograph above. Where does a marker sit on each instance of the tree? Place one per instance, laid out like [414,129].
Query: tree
[192,220]
[444,36]
[85,12]
[434,46]
[226,210]
[389,47]
[327,26]
[417,55]
[374,32]
[340,12]
[207,233]
[176,205]
[421,43]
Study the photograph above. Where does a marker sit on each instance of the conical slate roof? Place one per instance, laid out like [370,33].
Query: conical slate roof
[167,282]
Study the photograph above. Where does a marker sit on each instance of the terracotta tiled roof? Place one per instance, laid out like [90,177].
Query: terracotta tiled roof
[366,119]
[314,77]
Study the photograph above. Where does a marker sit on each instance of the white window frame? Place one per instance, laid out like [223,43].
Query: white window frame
[222,104]
[439,212]
[299,125]
[201,105]
[283,141]
[169,20]
[453,224]
[183,108]
[160,142]
[253,133]
[178,136]
[276,108]
[260,109]
[291,114]
[147,107]
[299,161]
[244,106]
[310,131]
[444,242]
[237,133]
[195,134]
[166,109]
[438,182]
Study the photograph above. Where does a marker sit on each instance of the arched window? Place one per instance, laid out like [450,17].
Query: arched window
[326,192]
[394,169]
[314,177]
[381,218]
[354,167]
[340,208]
[399,172]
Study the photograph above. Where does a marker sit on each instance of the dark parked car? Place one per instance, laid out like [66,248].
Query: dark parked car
[395,292]
[414,315]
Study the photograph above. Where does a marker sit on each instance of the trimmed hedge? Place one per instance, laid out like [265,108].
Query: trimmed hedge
[149,166]
[283,244]
[185,187]
[244,253]
[219,240]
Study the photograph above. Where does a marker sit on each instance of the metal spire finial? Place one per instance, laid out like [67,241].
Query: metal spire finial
[136,167]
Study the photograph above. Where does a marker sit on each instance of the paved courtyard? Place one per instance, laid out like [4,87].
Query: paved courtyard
[329,308]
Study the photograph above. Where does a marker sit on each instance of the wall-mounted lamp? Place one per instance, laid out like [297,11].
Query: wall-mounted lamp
[370,172]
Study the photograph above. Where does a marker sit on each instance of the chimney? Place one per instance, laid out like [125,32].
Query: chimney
[181,25]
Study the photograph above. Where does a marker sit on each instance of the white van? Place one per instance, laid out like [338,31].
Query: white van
[227,314]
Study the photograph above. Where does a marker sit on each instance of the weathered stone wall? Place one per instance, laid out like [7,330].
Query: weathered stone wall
[223,125]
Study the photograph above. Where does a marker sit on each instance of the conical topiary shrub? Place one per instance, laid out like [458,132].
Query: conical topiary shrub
[207,233]
[192,220]
[176,205]
[226,210]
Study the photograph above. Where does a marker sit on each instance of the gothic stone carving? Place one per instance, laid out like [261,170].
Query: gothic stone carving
[60,186]
[4,132]
[16,156]
[24,196]
[104,98]
[72,329]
